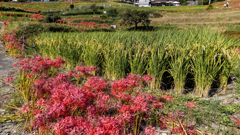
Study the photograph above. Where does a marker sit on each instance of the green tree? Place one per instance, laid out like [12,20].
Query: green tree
[112,12]
[94,8]
[134,17]
[183,2]
[72,6]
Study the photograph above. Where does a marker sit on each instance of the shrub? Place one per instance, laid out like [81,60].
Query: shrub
[156,15]
[12,9]
[52,18]
[104,17]
[101,7]
[209,7]
[94,8]
[112,12]
[205,2]
[71,6]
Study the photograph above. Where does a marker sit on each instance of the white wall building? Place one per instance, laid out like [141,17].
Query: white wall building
[144,3]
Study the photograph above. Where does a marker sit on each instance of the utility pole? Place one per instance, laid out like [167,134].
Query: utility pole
[209,2]
[71,1]
[102,2]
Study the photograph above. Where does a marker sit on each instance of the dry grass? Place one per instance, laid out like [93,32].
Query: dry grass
[217,18]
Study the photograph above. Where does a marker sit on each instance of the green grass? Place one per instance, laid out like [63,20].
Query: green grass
[63,5]
[210,115]
[44,6]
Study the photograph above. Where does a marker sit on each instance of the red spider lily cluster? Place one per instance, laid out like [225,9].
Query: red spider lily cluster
[92,25]
[6,23]
[9,79]
[191,104]
[233,4]
[77,102]
[236,121]
[12,44]
[82,25]
[232,33]
[7,14]
[237,49]
[36,16]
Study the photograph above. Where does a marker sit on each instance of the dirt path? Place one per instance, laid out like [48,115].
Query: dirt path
[6,70]
[5,62]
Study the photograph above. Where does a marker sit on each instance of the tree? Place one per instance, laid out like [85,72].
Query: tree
[134,17]
[184,2]
[71,6]
[94,8]
[112,12]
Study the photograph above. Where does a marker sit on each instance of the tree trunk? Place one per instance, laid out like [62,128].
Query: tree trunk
[135,26]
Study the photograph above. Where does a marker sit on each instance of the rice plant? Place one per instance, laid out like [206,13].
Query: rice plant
[179,67]
[206,54]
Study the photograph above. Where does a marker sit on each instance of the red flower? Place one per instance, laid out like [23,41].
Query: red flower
[9,79]
[237,121]
[191,104]
[192,131]
[150,130]
[147,78]
[168,98]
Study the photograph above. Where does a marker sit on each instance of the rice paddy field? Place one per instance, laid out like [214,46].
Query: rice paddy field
[206,55]
[180,77]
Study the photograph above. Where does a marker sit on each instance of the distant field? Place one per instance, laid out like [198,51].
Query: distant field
[219,19]
[43,6]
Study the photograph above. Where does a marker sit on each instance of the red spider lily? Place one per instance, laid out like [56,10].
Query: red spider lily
[147,78]
[71,125]
[191,104]
[237,121]
[159,105]
[168,98]
[85,71]
[177,130]
[95,83]
[139,104]
[9,79]
[123,85]
[108,126]
[12,44]
[192,132]
[7,22]
[95,107]
[36,16]
[25,108]
[150,130]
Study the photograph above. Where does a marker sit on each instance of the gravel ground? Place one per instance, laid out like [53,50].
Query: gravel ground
[6,70]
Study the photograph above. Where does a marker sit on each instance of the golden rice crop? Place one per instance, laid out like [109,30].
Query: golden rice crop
[203,54]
